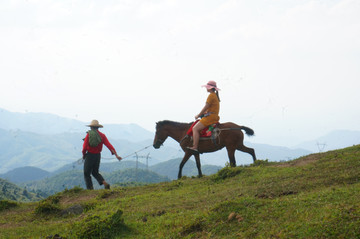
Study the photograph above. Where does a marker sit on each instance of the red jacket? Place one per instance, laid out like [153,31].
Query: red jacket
[97,149]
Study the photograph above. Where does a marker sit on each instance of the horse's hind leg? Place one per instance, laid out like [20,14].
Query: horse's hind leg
[198,165]
[185,159]
[250,151]
[231,154]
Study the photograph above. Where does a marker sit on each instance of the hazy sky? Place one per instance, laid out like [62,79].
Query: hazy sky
[288,69]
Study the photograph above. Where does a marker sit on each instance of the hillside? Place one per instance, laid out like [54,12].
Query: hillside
[316,196]
[9,191]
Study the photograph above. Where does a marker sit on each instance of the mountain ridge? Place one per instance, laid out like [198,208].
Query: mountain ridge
[31,139]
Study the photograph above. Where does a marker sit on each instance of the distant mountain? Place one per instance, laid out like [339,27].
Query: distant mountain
[129,132]
[262,151]
[170,168]
[104,167]
[25,174]
[40,123]
[70,179]
[50,152]
[334,140]
[50,124]
[9,191]
[135,175]
[49,142]
[71,175]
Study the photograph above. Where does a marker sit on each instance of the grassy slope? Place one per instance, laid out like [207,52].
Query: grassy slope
[316,196]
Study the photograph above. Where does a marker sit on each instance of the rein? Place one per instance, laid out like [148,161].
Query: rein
[229,129]
[137,151]
[81,160]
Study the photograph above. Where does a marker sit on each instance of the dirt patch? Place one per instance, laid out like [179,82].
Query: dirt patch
[71,199]
[9,215]
[301,161]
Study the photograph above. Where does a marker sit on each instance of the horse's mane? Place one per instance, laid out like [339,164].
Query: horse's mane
[171,123]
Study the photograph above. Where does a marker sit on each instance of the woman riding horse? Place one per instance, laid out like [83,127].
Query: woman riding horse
[209,114]
[230,134]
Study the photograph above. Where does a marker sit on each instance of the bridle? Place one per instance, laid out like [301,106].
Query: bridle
[159,142]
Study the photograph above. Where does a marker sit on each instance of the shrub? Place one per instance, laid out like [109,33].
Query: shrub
[260,162]
[54,199]
[99,226]
[104,194]
[6,204]
[195,226]
[226,172]
[73,190]
[89,205]
[47,207]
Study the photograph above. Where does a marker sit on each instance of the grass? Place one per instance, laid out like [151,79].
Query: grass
[316,196]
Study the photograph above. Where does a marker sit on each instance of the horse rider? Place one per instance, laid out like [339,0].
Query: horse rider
[209,114]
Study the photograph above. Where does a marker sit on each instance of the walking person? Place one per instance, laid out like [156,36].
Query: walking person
[209,114]
[92,147]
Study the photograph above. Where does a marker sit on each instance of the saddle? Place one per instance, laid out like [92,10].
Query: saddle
[207,132]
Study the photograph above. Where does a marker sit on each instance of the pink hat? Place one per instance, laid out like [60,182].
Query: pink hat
[211,84]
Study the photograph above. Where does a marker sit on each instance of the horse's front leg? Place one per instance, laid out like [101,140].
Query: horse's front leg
[198,164]
[185,159]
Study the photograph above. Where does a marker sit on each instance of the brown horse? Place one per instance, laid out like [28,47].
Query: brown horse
[229,136]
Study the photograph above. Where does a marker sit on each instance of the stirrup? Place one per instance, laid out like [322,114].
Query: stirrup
[194,151]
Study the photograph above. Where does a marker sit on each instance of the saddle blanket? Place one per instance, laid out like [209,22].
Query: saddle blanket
[207,132]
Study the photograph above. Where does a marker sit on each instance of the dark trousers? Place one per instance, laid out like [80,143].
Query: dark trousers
[91,166]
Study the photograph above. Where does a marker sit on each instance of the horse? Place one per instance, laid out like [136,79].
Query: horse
[230,135]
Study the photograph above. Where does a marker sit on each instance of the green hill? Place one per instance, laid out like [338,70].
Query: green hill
[25,174]
[316,196]
[104,166]
[9,191]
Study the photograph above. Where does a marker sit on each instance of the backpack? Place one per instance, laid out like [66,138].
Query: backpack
[94,138]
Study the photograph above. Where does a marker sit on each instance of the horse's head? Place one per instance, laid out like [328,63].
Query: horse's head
[160,135]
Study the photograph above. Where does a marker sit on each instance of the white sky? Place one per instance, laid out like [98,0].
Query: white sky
[288,69]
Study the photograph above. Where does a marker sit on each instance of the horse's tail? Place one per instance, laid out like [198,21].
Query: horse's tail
[248,131]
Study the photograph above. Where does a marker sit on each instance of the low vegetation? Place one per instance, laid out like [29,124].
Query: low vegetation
[316,196]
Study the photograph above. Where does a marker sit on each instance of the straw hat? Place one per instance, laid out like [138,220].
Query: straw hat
[210,85]
[95,123]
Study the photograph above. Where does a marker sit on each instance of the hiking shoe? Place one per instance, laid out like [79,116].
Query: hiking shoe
[107,186]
